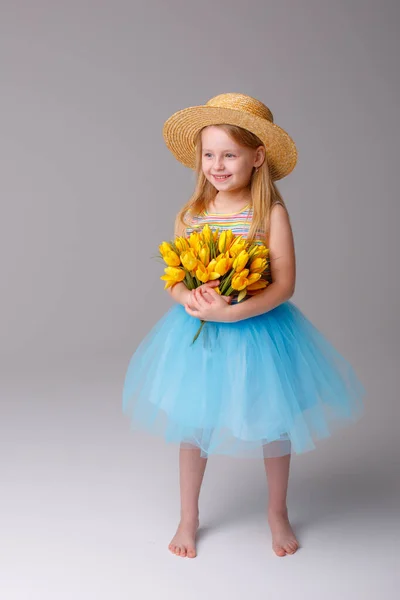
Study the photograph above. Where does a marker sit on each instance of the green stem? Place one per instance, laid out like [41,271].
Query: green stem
[226,283]
[198,332]
[189,281]
[212,248]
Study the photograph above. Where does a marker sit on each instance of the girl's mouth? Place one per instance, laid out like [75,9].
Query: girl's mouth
[221,177]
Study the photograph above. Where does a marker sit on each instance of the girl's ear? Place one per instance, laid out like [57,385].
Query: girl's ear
[260,155]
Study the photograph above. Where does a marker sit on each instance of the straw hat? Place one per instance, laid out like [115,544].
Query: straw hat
[181,128]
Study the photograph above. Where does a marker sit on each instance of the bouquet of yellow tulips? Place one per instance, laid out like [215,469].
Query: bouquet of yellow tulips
[243,267]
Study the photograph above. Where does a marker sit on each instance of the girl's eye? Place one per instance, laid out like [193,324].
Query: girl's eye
[227,154]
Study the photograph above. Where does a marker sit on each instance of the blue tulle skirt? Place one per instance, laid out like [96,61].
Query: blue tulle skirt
[261,387]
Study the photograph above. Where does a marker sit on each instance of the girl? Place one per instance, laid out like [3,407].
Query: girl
[260,380]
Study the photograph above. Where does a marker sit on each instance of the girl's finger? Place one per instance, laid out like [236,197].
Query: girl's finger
[205,295]
[199,291]
[213,293]
[189,311]
[213,283]
[195,302]
[203,303]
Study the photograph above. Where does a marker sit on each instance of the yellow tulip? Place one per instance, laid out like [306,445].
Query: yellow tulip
[194,241]
[239,281]
[229,238]
[172,259]
[262,252]
[206,233]
[222,242]
[204,255]
[258,285]
[164,248]
[182,244]
[172,276]
[253,277]
[228,258]
[237,246]
[189,260]
[258,265]
[212,273]
[223,266]
[202,273]
[240,261]
[215,234]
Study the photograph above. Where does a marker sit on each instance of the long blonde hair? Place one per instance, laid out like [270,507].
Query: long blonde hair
[264,192]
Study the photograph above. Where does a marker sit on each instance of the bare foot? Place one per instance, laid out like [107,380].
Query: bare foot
[184,541]
[283,539]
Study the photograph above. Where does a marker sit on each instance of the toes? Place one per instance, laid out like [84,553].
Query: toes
[291,547]
[182,551]
[279,550]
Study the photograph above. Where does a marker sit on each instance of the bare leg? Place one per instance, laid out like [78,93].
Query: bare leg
[283,539]
[192,467]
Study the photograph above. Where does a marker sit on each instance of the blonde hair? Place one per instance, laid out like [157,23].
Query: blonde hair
[264,193]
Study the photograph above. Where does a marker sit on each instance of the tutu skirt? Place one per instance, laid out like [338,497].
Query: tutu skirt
[263,386]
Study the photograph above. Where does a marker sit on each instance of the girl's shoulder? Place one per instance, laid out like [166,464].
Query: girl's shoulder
[278,202]
[193,218]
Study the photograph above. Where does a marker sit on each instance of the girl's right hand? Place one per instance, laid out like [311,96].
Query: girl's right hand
[212,284]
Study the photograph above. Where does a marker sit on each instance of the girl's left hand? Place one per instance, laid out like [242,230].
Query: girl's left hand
[214,308]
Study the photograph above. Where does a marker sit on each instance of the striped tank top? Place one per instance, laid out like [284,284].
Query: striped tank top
[238,222]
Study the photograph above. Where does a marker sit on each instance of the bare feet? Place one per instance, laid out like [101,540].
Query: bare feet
[283,539]
[184,541]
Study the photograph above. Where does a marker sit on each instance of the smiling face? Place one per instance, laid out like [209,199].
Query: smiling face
[226,164]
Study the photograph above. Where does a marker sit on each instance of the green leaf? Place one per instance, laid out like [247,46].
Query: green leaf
[242,295]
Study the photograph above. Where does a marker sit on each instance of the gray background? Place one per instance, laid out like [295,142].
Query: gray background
[88,190]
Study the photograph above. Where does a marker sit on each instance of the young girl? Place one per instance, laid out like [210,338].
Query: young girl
[260,380]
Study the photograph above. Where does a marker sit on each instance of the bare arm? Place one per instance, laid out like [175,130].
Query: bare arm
[179,293]
[283,270]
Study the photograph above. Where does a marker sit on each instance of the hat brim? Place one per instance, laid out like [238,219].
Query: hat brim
[181,128]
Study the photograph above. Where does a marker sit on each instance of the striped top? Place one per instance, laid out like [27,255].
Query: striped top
[238,222]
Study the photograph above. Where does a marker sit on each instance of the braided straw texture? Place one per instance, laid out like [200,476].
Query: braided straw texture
[181,128]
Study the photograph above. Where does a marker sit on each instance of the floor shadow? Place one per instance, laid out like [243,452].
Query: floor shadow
[366,493]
